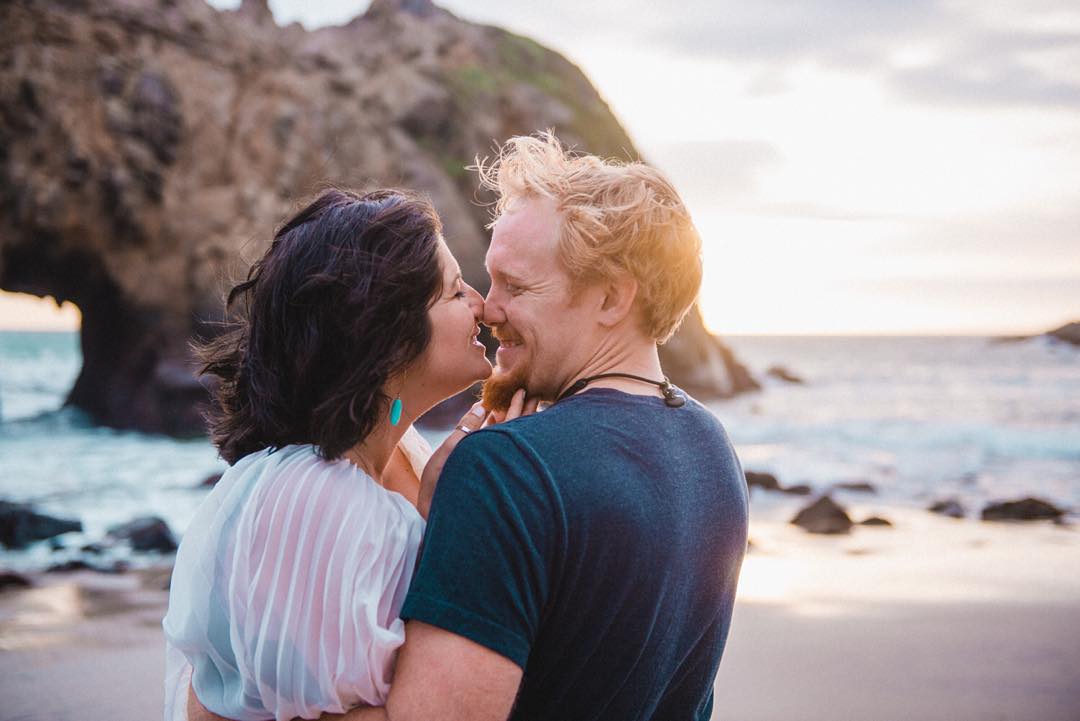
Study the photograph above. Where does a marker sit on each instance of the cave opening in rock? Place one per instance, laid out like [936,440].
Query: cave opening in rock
[129,377]
[39,354]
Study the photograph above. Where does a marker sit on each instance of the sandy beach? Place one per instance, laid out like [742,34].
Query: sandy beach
[935,619]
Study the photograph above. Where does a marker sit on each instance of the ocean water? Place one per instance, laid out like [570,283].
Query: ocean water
[920,418]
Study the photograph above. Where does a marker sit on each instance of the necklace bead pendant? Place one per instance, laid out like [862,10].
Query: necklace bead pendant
[672,397]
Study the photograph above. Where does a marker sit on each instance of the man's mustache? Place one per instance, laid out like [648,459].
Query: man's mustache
[500,334]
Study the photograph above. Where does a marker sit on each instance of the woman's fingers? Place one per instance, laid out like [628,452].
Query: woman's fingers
[471,421]
[531,406]
[517,405]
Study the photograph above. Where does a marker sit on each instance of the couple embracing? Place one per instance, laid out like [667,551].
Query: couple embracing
[575,562]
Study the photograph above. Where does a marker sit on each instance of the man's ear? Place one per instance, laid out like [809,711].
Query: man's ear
[618,301]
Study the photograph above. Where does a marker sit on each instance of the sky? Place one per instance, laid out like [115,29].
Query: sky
[853,166]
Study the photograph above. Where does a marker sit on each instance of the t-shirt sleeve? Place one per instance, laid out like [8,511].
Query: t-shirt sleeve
[489,553]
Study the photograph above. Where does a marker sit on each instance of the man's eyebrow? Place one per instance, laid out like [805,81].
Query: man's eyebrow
[510,275]
[502,272]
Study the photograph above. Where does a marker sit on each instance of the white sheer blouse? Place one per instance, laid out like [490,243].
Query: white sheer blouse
[287,586]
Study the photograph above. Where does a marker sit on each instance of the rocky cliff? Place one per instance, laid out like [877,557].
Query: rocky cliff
[148,148]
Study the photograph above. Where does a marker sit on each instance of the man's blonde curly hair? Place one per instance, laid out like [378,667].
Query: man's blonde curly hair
[615,217]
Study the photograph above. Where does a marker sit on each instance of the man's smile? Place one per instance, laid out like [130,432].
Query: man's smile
[509,347]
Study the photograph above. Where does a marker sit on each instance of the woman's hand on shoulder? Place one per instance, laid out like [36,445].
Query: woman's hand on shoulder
[475,419]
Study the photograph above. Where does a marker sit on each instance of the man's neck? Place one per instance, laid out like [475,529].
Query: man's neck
[639,359]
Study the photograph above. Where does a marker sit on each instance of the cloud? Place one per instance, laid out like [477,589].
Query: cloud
[1047,233]
[786,31]
[810,211]
[715,172]
[995,69]
[976,59]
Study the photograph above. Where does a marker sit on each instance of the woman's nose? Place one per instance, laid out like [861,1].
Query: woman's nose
[476,302]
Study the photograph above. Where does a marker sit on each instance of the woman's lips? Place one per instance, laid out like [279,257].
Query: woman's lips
[474,340]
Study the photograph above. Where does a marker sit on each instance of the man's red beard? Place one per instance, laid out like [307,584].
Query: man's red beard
[499,388]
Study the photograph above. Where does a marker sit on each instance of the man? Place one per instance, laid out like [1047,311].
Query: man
[581,562]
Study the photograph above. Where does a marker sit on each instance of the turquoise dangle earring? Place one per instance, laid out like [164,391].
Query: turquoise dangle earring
[395,408]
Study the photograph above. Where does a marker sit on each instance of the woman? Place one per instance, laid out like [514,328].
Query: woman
[286,591]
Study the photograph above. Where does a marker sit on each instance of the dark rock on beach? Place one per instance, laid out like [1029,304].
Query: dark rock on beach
[77,564]
[783,374]
[699,363]
[21,525]
[210,481]
[1027,509]
[876,521]
[71,566]
[149,533]
[148,150]
[855,486]
[769,482]
[823,516]
[9,580]
[949,507]
[766,481]
[1068,333]
[799,489]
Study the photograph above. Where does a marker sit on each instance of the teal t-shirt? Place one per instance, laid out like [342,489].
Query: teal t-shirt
[597,545]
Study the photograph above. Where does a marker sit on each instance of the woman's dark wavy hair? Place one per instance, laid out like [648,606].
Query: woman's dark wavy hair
[336,306]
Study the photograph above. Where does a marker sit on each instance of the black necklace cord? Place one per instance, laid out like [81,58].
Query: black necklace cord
[673,398]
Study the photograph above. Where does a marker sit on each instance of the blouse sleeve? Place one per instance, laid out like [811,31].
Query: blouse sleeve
[310,588]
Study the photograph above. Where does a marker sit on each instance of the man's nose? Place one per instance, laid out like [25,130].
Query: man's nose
[493,312]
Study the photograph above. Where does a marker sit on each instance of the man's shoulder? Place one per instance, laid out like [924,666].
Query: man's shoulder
[524,435]
[503,450]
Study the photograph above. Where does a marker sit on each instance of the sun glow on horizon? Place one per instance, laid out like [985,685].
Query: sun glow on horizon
[24,312]
[799,276]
